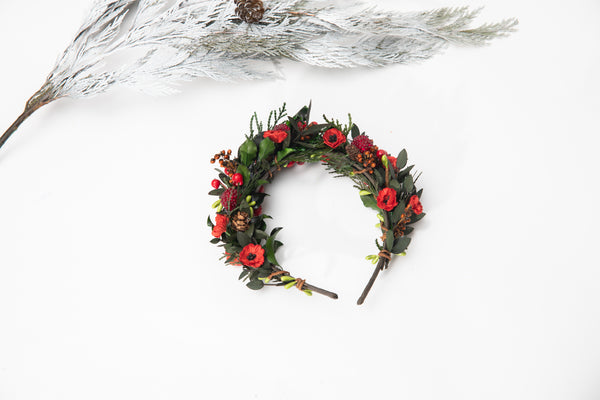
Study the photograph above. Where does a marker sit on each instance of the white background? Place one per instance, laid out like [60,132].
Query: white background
[109,288]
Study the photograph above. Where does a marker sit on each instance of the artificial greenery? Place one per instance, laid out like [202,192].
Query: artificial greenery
[385,183]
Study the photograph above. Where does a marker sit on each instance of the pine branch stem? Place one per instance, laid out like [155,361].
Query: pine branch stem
[37,101]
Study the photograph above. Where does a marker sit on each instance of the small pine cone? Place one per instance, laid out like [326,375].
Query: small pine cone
[352,151]
[250,11]
[240,221]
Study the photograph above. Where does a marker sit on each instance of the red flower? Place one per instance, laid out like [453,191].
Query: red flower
[386,199]
[215,183]
[415,205]
[381,153]
[333,138]
[276,136]
[221,225]
[253,255]
[237,179]
[301,125]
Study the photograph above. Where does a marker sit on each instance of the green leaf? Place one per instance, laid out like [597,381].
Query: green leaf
[416,218]
[216,192]
[209,222]
[215,240]
[260,235]
[400,245]
[379,177]
[242,169]
[370,202]
[284,153]
[275,231]
[394,184]
[266,148]
[408,184]
[355,131]
[255,285]
[243,239]
[397,213]
[315,129]
[243,274]
[262,182]
[247,152]
[402,159]
[389,239]
[270,250]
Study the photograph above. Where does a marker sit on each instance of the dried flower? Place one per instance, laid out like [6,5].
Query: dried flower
[386,199]
[276,136]
[415,205]
[220,225]
[253,255]
[333,138]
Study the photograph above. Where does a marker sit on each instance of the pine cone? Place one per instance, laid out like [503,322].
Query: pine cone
[352,151]
[250,11]
[240,221]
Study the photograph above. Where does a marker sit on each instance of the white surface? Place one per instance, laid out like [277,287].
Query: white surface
[109,288]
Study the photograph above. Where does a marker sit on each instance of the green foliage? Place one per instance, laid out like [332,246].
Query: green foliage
[247,152]
[266,148]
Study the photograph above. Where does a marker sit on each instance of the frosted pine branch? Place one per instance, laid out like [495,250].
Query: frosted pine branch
[148,45]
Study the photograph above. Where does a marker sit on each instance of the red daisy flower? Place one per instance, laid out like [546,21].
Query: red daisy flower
[333,138]
[386,199]
[253,255]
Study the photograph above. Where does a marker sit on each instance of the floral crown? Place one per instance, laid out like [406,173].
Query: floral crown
[384,182]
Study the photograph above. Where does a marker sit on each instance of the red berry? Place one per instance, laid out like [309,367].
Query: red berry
[381,153]
[215,183]
[237,179]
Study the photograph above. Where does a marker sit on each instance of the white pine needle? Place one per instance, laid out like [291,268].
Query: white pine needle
[153,44]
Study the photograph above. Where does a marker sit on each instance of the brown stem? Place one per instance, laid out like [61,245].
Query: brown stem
[383,262]
[38,100]
[320,291]
[367,289]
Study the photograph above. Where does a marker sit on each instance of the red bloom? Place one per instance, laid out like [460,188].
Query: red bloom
[415,205]
[301,125]
[276,136]
[381,153]
[253,255]
[333,138]
[220,226]
[386,199]
[215,183]
[237,179]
